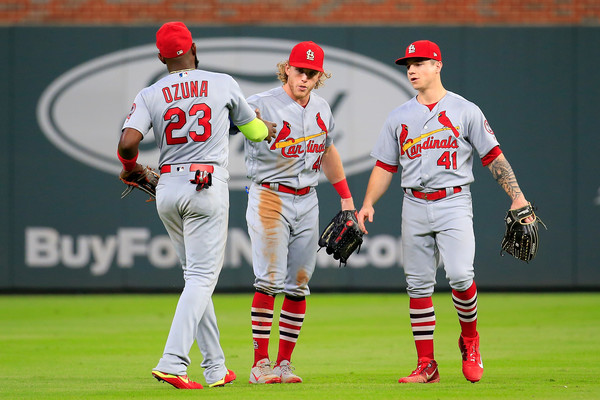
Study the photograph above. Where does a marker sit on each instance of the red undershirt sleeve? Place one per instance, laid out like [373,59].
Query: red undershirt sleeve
[387,167]
[491,156]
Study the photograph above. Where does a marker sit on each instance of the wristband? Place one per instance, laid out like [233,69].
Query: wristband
[128,165]
[342,188]
[255,130]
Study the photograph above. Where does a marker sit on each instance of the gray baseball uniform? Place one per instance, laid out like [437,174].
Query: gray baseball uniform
[435,149]
[189,112]
[283,214]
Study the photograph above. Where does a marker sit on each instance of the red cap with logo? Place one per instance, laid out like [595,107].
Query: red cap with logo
[307,55]
[173,39]
[421,49]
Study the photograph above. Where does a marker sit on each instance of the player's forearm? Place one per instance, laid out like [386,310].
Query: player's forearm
[129,143]
[255,130]
[504,175]
[332,165]
[379,182]
[333,169]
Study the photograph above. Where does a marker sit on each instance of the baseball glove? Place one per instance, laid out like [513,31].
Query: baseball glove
[144,180]
[342,236]
[521,238]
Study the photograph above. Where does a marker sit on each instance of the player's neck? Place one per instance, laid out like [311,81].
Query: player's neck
[431,95]
[181,70]
[300,99]
[180,65]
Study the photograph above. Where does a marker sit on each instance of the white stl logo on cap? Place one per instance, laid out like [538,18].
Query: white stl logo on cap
[411,48]
[310,55]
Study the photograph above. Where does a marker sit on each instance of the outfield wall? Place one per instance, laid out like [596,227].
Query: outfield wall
[64,227]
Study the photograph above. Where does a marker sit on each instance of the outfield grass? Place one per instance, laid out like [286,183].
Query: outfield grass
[355,346]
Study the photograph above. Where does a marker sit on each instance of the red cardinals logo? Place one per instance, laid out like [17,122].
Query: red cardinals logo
[402,138]
[444,120]
[294,147]
[413,147]
[282,135]
[321,123]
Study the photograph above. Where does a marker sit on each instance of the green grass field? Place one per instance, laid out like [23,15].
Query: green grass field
[354,346]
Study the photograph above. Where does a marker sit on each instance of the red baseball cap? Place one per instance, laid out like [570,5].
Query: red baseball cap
[173,39]
[421,49]
[307,55]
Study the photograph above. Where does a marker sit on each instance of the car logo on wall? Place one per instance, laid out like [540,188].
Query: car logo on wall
[83,110]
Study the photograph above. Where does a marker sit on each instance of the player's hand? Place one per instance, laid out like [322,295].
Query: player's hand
[271,126]
[348,204]
[519,202]
[365,213]
[126,174]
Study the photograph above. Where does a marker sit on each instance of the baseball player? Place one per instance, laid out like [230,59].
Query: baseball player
[433,137]
[189,112]
[283,213]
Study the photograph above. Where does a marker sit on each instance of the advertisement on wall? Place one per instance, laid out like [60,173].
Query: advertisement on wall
[70,229]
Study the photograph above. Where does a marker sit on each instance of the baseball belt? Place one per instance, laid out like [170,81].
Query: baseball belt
[432,196]
[278,187]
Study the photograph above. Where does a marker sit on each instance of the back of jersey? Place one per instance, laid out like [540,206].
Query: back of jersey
[189,112]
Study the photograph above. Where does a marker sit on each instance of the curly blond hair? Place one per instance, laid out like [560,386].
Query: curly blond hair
[282,76]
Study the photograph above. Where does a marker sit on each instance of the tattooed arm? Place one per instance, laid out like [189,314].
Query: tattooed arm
[504,175]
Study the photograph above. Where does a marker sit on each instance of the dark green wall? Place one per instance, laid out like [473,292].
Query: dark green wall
[537,86]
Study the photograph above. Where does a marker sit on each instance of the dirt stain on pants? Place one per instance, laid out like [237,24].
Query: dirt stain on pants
[269,211]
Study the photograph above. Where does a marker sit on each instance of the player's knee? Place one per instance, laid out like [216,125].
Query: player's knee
[296,292]
[420,285]
[269,289]
[419,291]
[295,298]
[460,285]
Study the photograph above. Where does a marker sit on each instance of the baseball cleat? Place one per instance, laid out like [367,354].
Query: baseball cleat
[286,372]
[263,373]
[230,377]
[177,381]
[472,366]
[426,372]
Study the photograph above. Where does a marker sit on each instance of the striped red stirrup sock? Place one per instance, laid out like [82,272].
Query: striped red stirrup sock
[262,319]
[466,308]
[290,323]
[422,322]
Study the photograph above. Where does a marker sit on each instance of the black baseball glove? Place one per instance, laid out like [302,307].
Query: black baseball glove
[342,236]
[145,180]
[521,238]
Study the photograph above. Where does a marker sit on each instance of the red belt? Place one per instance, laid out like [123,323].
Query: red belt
[193,167]
[431,196]
[286,189]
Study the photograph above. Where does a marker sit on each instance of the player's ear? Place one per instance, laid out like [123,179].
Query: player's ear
[193,48]
[161,58]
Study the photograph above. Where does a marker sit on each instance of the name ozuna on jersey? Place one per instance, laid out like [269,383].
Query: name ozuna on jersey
[185,90]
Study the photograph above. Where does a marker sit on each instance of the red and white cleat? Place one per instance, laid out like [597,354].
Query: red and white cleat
[286,372]
[263,373]
[472,366]
[426,372]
